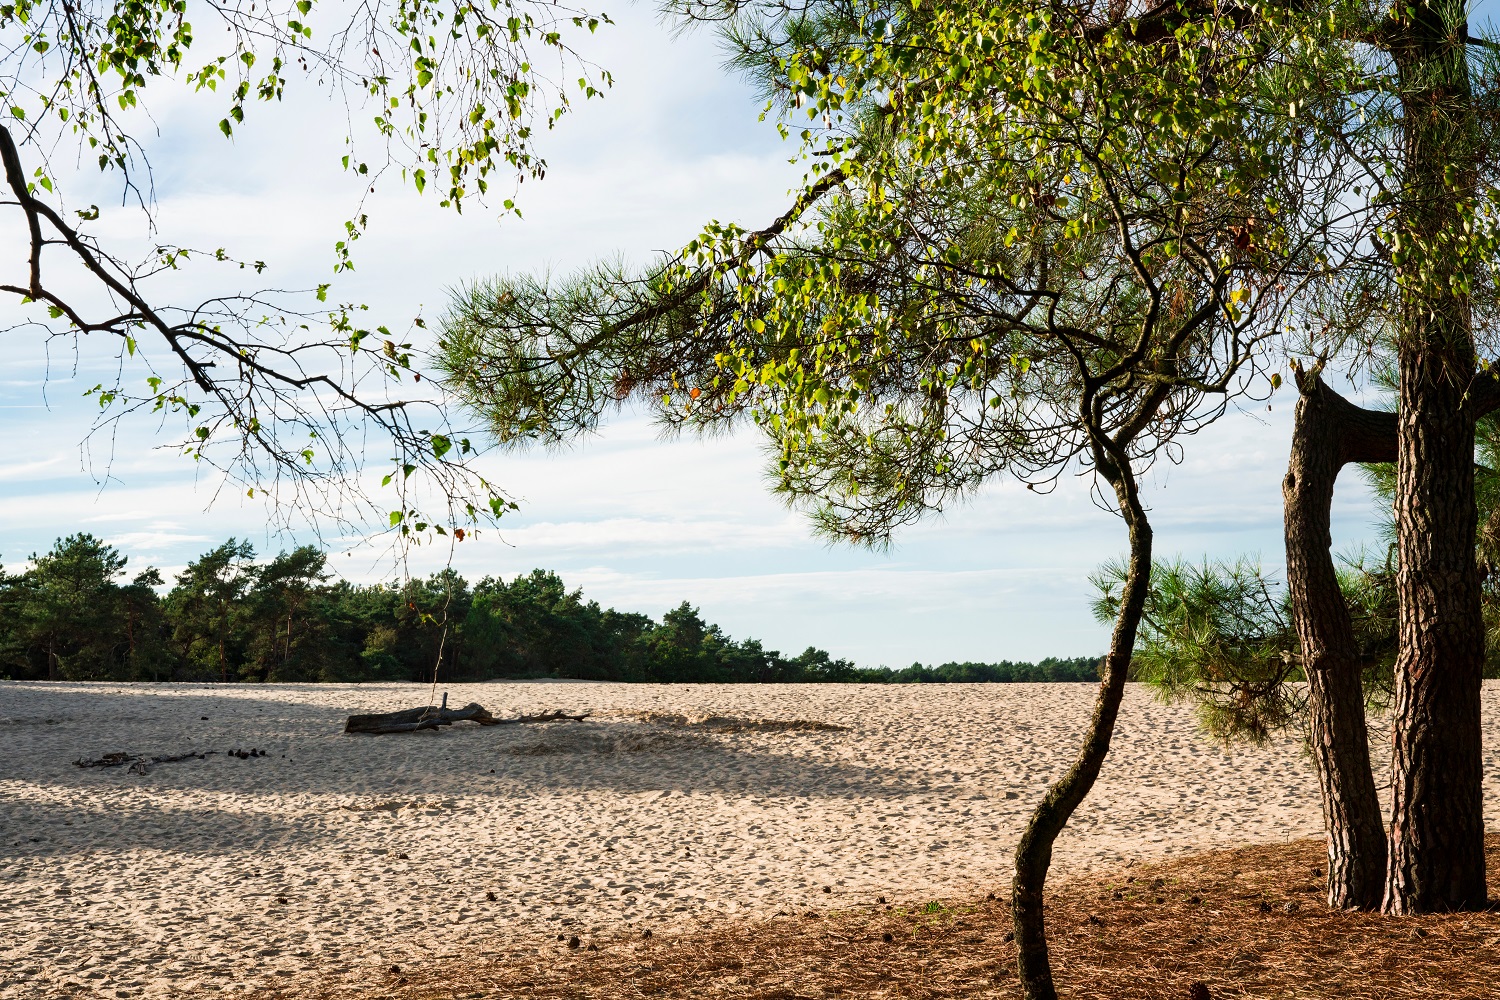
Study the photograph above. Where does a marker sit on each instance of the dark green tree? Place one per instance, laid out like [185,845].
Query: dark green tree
[1220,634]
[534,626]
[429,617]
[74,608]
[286,618]
[208,608]
[290,620]
[685,647]
[148,654]
[15,660]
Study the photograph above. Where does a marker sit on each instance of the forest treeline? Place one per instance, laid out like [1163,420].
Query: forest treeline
[77,614]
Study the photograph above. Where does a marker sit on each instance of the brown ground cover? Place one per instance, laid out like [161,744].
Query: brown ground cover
[1245,923]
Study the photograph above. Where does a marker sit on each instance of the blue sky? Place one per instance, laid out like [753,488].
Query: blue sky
[638,523]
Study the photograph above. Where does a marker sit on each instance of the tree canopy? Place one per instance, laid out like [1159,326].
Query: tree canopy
[900,331]
[275,387]
[1034,235]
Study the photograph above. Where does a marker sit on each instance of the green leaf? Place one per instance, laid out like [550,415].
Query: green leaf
[397,517]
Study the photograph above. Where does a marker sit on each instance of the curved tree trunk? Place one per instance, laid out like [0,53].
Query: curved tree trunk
[1437,825]
[1034,852]
[1328,433]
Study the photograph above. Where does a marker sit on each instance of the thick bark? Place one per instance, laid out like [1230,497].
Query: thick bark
[1436,858]
[1437,817]
[1034,852]
[1328,433]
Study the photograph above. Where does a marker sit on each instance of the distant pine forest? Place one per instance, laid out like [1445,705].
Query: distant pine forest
[78,615]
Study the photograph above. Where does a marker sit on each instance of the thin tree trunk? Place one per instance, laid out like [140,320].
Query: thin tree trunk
[1328,433]
[1034,852]
[1436,858]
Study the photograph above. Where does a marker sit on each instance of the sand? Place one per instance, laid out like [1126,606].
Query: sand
[334,856]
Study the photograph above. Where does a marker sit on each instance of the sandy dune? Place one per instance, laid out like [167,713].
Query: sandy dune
[335,854]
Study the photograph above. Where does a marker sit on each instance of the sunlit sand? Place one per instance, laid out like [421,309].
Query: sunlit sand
[337,855]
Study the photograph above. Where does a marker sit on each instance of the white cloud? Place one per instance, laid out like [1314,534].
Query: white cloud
[142,541]
[122,515]
[637,522]
[658,535]
[31,470]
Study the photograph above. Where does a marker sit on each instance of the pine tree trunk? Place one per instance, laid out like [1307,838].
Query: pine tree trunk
[1328,433]
[1436,857]
[1034,852]
[1437,818]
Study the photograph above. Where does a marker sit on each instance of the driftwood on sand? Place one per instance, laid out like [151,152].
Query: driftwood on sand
[412,719]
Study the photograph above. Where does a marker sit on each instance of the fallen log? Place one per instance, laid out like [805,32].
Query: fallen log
[411,720]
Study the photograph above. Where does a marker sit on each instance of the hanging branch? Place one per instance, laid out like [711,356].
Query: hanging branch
[271,405]
[277,391]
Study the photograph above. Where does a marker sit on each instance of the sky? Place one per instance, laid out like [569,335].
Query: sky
[638,522]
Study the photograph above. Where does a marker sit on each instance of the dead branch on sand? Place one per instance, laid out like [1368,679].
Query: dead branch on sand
[413,719]
[141,764]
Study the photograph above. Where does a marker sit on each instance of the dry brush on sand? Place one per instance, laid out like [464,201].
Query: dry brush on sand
[1243,923]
